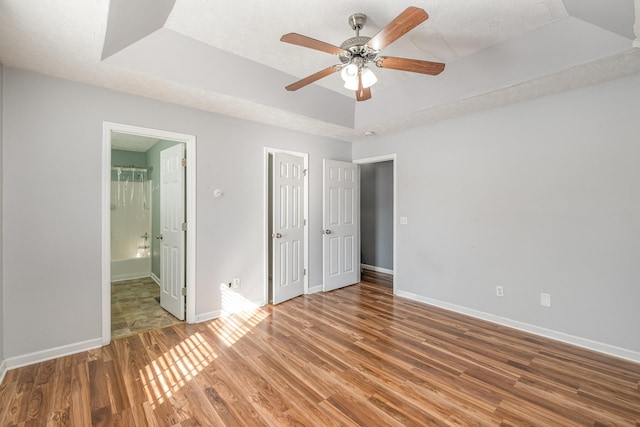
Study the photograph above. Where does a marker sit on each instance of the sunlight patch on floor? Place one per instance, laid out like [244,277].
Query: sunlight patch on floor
[172,370]
[233,302]
[233,327]
[176,367]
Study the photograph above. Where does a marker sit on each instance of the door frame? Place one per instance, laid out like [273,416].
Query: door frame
[266,238]
[377,159]
[190,194]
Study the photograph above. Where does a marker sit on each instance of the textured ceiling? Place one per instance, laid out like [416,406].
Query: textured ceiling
[226,57]
[455,28]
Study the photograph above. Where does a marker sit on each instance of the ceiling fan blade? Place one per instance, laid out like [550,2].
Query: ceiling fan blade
[413,65]
[313,77]
[362,94]
[405,22]
[305,41]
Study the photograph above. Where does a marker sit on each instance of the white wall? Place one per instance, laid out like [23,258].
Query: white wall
[542,196]
[53,137]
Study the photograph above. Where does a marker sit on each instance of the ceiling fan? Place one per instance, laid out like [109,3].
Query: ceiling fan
[356,52]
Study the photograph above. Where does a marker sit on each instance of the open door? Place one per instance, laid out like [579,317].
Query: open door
[172,234]
[341,258]
[288,227]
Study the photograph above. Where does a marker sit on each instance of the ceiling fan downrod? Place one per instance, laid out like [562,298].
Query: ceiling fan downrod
[357,21]
[355,48]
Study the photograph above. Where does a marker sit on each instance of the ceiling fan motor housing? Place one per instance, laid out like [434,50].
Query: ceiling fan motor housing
[355,48]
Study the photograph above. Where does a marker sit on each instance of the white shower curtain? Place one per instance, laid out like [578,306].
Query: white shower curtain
[130,213]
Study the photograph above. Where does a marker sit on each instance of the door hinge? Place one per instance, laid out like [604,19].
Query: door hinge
[304,222]
[184,163]
[184,226]
[184,291]
[304,172]
[304,271]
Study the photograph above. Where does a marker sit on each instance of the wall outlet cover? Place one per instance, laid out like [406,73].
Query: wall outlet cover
[545,300]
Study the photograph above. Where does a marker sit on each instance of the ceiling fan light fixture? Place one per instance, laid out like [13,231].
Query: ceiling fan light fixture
[349,73]
[368,78]
[351,84]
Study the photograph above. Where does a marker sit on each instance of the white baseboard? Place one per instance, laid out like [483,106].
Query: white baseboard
[208,316]
[126,277]
[155,278]
[52,353]
[3,370]
[314,289]
[611,350]
[376,269]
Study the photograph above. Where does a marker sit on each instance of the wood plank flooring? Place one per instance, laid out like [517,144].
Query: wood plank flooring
[355,356]
[374,277]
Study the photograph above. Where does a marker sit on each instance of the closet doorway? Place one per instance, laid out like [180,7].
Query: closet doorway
[377,219]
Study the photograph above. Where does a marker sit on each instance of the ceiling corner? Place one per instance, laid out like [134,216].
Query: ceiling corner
[130,21]
[617,16]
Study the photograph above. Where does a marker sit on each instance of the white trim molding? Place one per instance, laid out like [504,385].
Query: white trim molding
[236,308]
[376,269]
[3,370]
[155,278]
[51,353]
[532,329]
[314,289]
[208,316]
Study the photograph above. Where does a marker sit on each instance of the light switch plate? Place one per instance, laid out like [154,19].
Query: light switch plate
[403,220]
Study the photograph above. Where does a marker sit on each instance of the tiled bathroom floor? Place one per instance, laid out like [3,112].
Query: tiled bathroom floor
[134,308]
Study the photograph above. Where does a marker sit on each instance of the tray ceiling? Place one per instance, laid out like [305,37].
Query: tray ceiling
[226,57]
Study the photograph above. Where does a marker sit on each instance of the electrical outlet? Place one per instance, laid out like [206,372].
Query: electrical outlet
[545,300]
[236,283]
[499,291]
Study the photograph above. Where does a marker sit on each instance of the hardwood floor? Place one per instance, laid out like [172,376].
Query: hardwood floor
[355,356]
[377,278]
[134,308]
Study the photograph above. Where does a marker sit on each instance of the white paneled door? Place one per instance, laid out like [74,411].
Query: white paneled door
[288,227]
[341,250]
[172,234]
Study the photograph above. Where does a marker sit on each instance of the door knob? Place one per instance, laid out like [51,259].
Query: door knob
[276,235]
[326,231]
[159,237]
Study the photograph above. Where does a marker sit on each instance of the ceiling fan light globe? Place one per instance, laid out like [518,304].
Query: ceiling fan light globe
[351,84]
[349,72]
[368,78]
